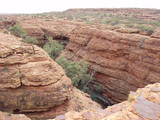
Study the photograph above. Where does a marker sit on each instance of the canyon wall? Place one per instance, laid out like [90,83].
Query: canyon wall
[123,62]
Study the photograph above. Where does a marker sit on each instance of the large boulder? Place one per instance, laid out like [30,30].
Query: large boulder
[32,83]
[144,104]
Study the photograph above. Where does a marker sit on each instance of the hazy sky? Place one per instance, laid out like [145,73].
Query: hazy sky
[38,6]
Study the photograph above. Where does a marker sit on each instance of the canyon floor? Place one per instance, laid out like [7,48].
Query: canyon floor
[121,46]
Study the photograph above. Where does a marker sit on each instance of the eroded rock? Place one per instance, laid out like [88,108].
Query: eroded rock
[33,84]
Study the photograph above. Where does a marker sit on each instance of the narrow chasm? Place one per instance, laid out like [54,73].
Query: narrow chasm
[93,88]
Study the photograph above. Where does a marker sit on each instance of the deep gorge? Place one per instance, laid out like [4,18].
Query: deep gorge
[120,61]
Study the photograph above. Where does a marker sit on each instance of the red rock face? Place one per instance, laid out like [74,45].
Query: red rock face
[124,62]
[32,83]
[144,104]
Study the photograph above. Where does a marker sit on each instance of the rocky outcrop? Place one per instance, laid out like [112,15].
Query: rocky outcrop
[144,104]
[9,116]
[123,62]
[33,84]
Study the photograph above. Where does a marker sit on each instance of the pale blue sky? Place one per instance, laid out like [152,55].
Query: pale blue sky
[39,6]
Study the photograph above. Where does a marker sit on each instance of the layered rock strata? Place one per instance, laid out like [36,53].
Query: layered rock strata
[123,62]
[32,83]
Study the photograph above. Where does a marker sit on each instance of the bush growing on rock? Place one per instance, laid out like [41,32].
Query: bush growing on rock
[18,31]
[77,72]
[53,48]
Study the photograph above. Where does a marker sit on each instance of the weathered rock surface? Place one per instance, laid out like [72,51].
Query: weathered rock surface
[123,62]
[9,116]
[144,104]
[32,83]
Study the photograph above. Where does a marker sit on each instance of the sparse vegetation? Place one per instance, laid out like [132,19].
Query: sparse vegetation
[53,48]
[134,20]
[19,32]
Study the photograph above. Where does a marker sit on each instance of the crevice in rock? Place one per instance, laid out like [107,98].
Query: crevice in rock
[60,37]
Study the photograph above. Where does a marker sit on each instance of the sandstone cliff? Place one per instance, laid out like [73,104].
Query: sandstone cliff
[144,104]
[33,84]
[123,62]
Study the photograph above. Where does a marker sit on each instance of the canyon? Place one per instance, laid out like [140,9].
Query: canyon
[122,60]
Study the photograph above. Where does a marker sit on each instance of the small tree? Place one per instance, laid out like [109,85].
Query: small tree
[77,72]
[53,48]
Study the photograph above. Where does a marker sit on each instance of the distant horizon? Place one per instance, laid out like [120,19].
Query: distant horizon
[42,6]
[75,8]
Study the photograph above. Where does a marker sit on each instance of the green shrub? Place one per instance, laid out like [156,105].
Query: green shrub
[18,31]
[53,48]
[77,72]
